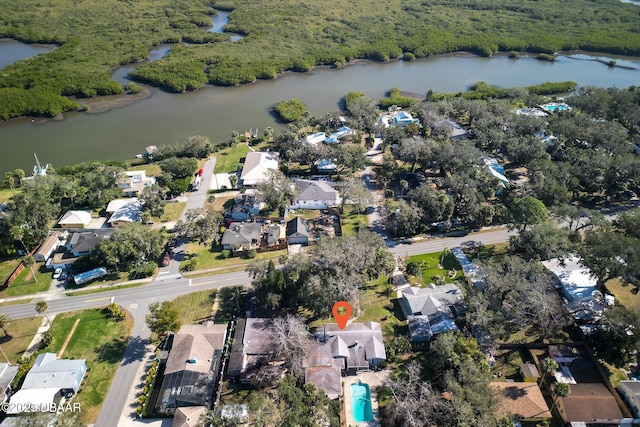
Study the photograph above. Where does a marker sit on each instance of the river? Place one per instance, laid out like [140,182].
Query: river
[164,118]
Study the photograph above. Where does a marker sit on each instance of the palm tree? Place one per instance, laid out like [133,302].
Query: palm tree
[549,367]
[29,262]
[19,175]
[4,321]
[41,308]
[560,390]
[10,180]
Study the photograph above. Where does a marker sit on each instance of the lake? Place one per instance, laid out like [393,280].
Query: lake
[216,112]
[12,51]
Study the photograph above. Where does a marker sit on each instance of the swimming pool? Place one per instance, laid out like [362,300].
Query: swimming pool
[361,402]
[556,107]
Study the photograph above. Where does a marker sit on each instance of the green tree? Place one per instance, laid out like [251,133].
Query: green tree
[292,110]
[152,199]
[277,191]
[131,244]
[116,312]
[615,340]
[163,317]
[355,193]
[202,225]
[528,211]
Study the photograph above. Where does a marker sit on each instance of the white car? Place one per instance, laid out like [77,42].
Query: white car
[57,273]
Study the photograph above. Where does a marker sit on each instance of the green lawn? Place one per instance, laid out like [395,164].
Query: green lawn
[25,284]
[212,259]
[352,222]
[150,169]
[195,307]
[99,340]
[228,159]
[172,211]
[7,267]
[432,269]
[20,332]
[7,194]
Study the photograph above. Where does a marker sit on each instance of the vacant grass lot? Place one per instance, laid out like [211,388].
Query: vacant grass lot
[208,258]
[99,340]
[432,269]
[20,332]
[26,284]
[172,211]
[353,222]
[195,307]
[228,159]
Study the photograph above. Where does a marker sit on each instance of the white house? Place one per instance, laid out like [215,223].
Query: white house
[315,195]
[134,182]
[124,211]
[256,167]
[48,381]
[75,219]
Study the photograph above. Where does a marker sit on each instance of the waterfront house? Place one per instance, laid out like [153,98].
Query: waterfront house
[315,195]
[240,236]
[192,368]
[48,381]
[74,219]
[340,133]
[396,119]
[133,182]
[315,138]
[257,166]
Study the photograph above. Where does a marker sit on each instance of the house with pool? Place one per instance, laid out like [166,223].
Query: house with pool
[340,352]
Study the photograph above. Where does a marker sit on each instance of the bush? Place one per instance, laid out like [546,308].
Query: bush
[226,253]
[189,265]
[145,270]
[291,111]
[131,87]
[408,56]
[47,338]
[251,254]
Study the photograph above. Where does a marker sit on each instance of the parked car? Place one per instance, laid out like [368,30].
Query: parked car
[166,260]
[57,273]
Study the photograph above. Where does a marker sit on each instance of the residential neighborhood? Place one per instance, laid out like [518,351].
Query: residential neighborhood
[196,285]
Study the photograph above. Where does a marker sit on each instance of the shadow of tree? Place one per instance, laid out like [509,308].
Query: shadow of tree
[111,352]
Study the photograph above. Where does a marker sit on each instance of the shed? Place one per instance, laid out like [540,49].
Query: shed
[529,372]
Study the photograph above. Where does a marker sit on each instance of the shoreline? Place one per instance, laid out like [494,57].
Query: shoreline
[105,104]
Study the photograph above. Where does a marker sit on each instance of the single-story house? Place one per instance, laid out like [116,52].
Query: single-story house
[48,381]
[7,374]
[74,219]
[245,206]
[521,401]
[340,133]
[257,166]
[48,247]
[240,236]
[325,165]
[578,286]
[315,138]
[127,213]
[192,368]
[297,231]
[630,392]
[591,404]
[315,195]
[133,182]
[396,119]
[188,416]
[471,271]
[252,347]
[84,242]
[428,310]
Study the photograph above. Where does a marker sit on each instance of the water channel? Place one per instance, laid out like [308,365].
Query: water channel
[216,112]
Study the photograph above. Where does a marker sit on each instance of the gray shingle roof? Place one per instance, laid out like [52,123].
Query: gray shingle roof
[241,232]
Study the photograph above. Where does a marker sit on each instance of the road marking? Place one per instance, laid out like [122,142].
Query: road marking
[201,283]
[97,299]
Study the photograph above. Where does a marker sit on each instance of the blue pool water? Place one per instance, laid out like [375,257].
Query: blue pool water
[556,107]
[361,402]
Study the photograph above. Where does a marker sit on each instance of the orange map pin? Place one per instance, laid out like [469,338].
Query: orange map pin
[342,312]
